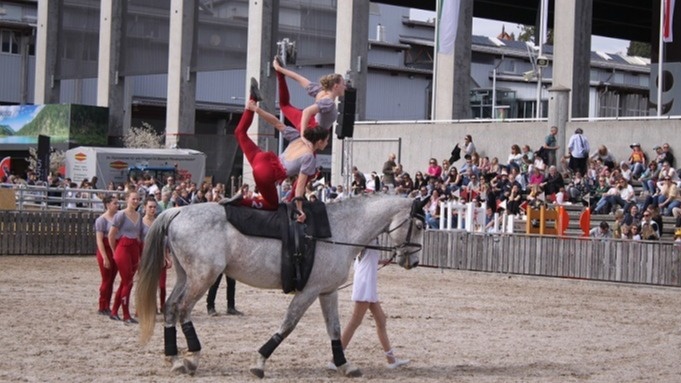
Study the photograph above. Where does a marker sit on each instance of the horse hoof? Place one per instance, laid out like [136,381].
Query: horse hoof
[349,370]
[258,372]
[178,366]
[258,367]
[191,362]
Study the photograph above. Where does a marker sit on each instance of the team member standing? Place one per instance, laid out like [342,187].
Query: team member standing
[323,112]
[125,239]
[231,292]
[150,210]
[105,259]
[365,296]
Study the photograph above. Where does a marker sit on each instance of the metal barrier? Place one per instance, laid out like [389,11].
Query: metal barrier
[30,197]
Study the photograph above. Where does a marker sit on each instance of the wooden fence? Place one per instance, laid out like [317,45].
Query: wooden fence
[47,233]
[656,263]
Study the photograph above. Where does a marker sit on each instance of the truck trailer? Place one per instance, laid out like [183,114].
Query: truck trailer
[117,164]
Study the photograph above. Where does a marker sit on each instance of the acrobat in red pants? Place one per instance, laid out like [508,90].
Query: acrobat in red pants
[127,257]
[267,168]
[293,114]
[108,277]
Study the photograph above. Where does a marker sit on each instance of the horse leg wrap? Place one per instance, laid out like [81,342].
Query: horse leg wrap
[170,340]
[193,344]
[268,348]
[338,354]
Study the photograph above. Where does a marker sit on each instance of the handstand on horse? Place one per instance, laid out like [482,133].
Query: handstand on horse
[204,244]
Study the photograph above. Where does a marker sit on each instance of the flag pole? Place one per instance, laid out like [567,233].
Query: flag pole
[436,46]
[660,59]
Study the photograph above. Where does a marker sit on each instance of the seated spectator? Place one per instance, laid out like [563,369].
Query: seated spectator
[601,232]
[632,216]
[469,165]
[553,181]
[514,200]
[626,232]
[607,159]
[666,199]
[622,194]
[599,190]
[358,185]
[666,171]
[419,180]
[649,179]
[536,177]
[666,155]
[578,188]
[445,168]
[635,233]
[625,171]
[432,210]
[494,166]
[637,160]
[454,180]
[649,229]
[484,165]
[515,158]
[434,170]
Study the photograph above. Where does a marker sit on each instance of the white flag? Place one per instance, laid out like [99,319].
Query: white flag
[448,21]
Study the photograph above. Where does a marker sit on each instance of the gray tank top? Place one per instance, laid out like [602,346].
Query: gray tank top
[328,113]
[306,164]
[127,228]
[102,225]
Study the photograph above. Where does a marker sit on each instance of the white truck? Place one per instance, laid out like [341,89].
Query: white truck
[118,164]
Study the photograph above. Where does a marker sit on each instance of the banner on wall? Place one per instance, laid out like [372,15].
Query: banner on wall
[5,167]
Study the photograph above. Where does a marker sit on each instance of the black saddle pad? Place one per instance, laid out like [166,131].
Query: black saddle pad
[268,224]
[297,250]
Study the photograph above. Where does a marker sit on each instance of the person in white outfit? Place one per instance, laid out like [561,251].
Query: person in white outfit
[365,296]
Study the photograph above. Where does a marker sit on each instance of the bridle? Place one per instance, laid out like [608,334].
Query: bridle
[394,249]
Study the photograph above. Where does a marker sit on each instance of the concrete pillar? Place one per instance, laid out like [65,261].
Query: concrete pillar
[452,77]
[110,83]
[23,79]
[47,85]
[263,23]
[572,52]
[558,116]
[352,46]
[181,106]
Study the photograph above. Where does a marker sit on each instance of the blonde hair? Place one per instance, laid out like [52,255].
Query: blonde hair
[328,81]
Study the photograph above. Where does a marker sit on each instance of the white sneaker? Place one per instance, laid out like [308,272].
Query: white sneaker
[331,367]
[398,363]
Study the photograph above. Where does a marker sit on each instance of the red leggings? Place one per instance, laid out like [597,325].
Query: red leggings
[267,169]
[293,114]
[127,257]
[162,288]
[108,277]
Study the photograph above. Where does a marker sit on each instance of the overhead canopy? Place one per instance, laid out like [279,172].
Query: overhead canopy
[621,19]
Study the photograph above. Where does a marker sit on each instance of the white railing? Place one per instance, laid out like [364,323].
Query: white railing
[30,197]
[471,218]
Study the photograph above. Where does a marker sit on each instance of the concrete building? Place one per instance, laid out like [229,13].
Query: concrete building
[127,56]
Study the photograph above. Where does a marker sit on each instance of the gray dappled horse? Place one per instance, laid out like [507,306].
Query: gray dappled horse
[204,245]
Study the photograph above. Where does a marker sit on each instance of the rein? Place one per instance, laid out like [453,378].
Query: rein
[392,249]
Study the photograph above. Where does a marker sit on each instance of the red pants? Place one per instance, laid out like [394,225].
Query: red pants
[127,257]
[108,277]
[267,169]
[162,287]
[293,114]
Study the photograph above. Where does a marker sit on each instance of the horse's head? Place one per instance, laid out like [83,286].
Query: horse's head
[406,231]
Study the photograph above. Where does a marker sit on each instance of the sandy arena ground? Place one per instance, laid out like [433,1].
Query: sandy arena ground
[454,326]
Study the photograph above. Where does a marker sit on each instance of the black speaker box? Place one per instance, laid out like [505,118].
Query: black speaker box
[346,114]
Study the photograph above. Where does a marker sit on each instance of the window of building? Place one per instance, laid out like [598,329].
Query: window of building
[9,42]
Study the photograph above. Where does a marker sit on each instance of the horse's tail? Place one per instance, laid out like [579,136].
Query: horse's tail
[149,273]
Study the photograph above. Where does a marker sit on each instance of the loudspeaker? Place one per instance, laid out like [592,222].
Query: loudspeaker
[346,114]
